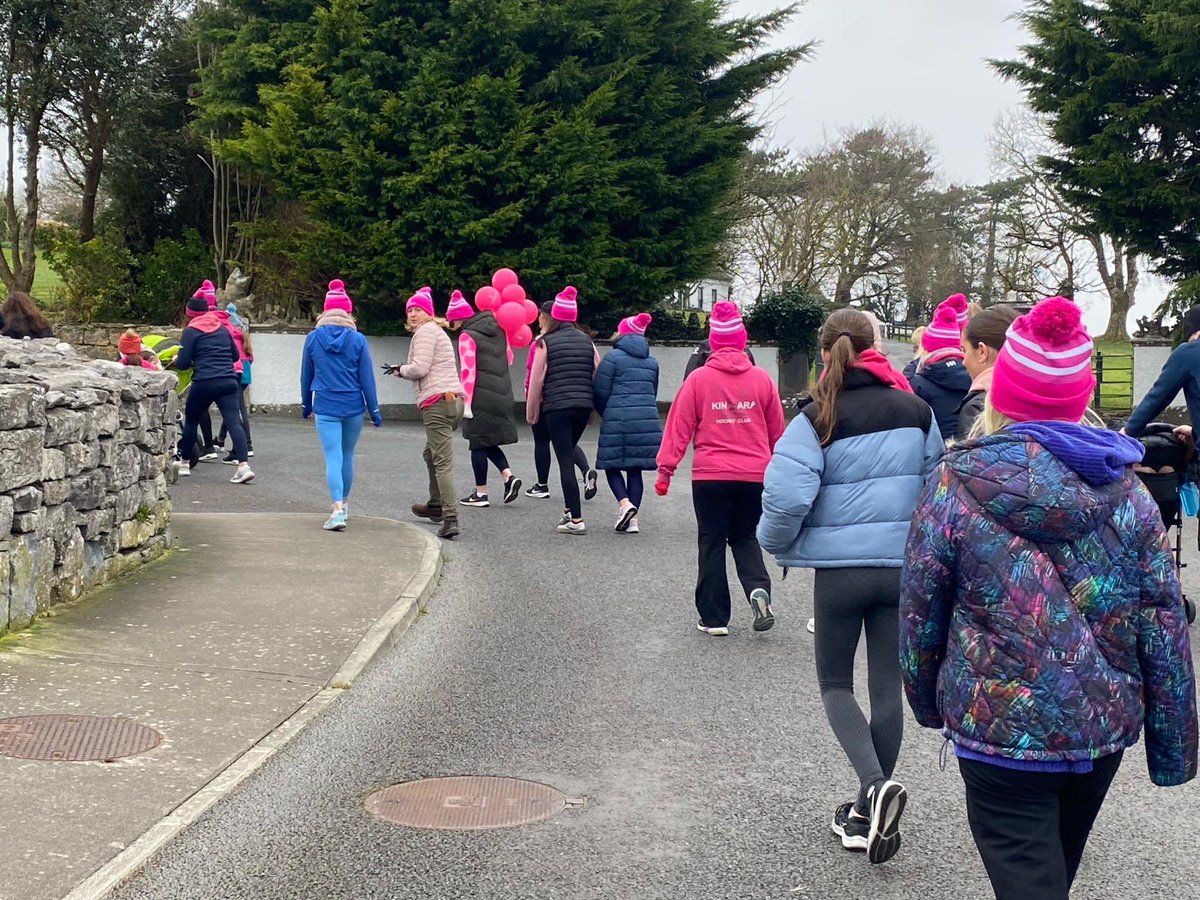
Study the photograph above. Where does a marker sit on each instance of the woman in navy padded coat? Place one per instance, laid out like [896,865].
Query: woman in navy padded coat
[626,395]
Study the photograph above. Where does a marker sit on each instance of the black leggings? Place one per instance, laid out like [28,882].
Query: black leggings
[566,427]
[245,420]
[223,392]
[479,461]
[541,453]
[848,602]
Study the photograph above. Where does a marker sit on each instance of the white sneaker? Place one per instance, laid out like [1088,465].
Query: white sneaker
[633,526]
[716,631]
[184,468]
[243,475]
[811,626]
[569,527]
[624,517]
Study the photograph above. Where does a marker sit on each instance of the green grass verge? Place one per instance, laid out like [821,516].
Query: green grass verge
[47,286]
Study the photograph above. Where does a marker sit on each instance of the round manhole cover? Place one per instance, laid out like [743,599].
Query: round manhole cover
[465,803]
[74,738]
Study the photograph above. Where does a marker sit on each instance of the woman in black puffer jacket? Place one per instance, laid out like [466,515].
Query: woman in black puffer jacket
[942,380]
[489,422]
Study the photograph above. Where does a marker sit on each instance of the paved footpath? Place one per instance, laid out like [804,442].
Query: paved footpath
[255,621]
[707,764]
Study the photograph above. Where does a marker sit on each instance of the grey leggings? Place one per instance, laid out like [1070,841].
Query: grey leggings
[846,601]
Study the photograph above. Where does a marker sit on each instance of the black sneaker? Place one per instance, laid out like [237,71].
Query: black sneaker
[476,499]
[208,454]
[230,461]
[887,801]
[852,828]
[760,602]
[512,489]
[539,492]
[589,484]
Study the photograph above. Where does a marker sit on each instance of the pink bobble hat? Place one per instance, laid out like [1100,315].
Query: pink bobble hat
[725,327]
[459,309]
[1044,370]
[337,298]
[635,324]
[566,307]
[944,332]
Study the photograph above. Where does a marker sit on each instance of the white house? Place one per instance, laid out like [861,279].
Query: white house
[703,294]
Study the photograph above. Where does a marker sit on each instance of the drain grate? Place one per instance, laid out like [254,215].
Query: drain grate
[74,738]
[467,803]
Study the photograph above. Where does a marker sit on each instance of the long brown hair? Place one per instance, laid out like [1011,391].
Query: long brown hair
[21,315]
[845,334]
[990,326]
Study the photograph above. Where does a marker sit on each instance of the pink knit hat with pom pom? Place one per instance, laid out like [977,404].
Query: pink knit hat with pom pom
[459,308]
[725,328]
[944,332]
[422,299]
[565,308]
[208,293]
[962,309]
[635,324]
[337,298]
[1044,370]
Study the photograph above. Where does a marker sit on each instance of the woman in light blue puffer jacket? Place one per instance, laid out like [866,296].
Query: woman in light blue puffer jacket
[838,497]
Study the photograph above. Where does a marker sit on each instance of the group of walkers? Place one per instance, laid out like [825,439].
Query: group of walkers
[1010,572]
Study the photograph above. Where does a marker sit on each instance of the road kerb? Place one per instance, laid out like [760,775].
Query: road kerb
[380,638]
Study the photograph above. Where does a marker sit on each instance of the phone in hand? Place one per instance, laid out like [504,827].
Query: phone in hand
[390,368]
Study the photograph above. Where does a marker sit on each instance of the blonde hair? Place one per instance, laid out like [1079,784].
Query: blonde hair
[991,420]
[918,333]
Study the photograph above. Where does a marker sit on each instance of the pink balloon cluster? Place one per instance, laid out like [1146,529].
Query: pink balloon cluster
[506,300]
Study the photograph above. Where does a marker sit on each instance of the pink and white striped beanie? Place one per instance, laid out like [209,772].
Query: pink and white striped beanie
[944,332]
[565,308]
[725,328]
[459,308]
[962,309]
[208,293]
[1044,370]
[337,298]
[635,324]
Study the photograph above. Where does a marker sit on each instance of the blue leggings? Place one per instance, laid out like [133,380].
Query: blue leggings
[338,438]
[626,485]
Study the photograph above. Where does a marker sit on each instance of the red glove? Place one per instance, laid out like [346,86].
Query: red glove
[662,485]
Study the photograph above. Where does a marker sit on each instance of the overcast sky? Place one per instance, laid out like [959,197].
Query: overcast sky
[919,62]
[916,62]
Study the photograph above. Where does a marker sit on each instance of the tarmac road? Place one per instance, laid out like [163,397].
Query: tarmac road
[707,764]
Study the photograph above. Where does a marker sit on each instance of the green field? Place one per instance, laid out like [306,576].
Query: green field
[47,286]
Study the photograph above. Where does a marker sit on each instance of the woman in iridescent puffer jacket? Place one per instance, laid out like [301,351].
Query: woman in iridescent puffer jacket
[1042,626]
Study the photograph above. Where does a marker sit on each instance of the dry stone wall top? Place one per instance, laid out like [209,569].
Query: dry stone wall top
[85,449]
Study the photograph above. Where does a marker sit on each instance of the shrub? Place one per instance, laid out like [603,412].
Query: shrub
[96,275]
[167,275]
[791,318]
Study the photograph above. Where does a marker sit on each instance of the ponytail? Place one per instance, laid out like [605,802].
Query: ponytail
[845,335]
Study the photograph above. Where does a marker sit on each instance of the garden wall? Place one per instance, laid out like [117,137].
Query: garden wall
[277,357]
[84,451]
[98,340]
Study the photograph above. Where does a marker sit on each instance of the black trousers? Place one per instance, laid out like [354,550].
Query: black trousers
[566,427]
[245,420]
[1031,827]
[727,513]
[223,392]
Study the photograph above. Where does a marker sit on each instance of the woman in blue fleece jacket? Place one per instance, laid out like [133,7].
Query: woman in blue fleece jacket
[337,382]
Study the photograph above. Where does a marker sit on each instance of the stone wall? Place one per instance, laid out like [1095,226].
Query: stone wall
[98,340]
[85,450]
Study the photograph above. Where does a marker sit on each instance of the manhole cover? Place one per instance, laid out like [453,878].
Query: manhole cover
[74,738]
[466,803]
